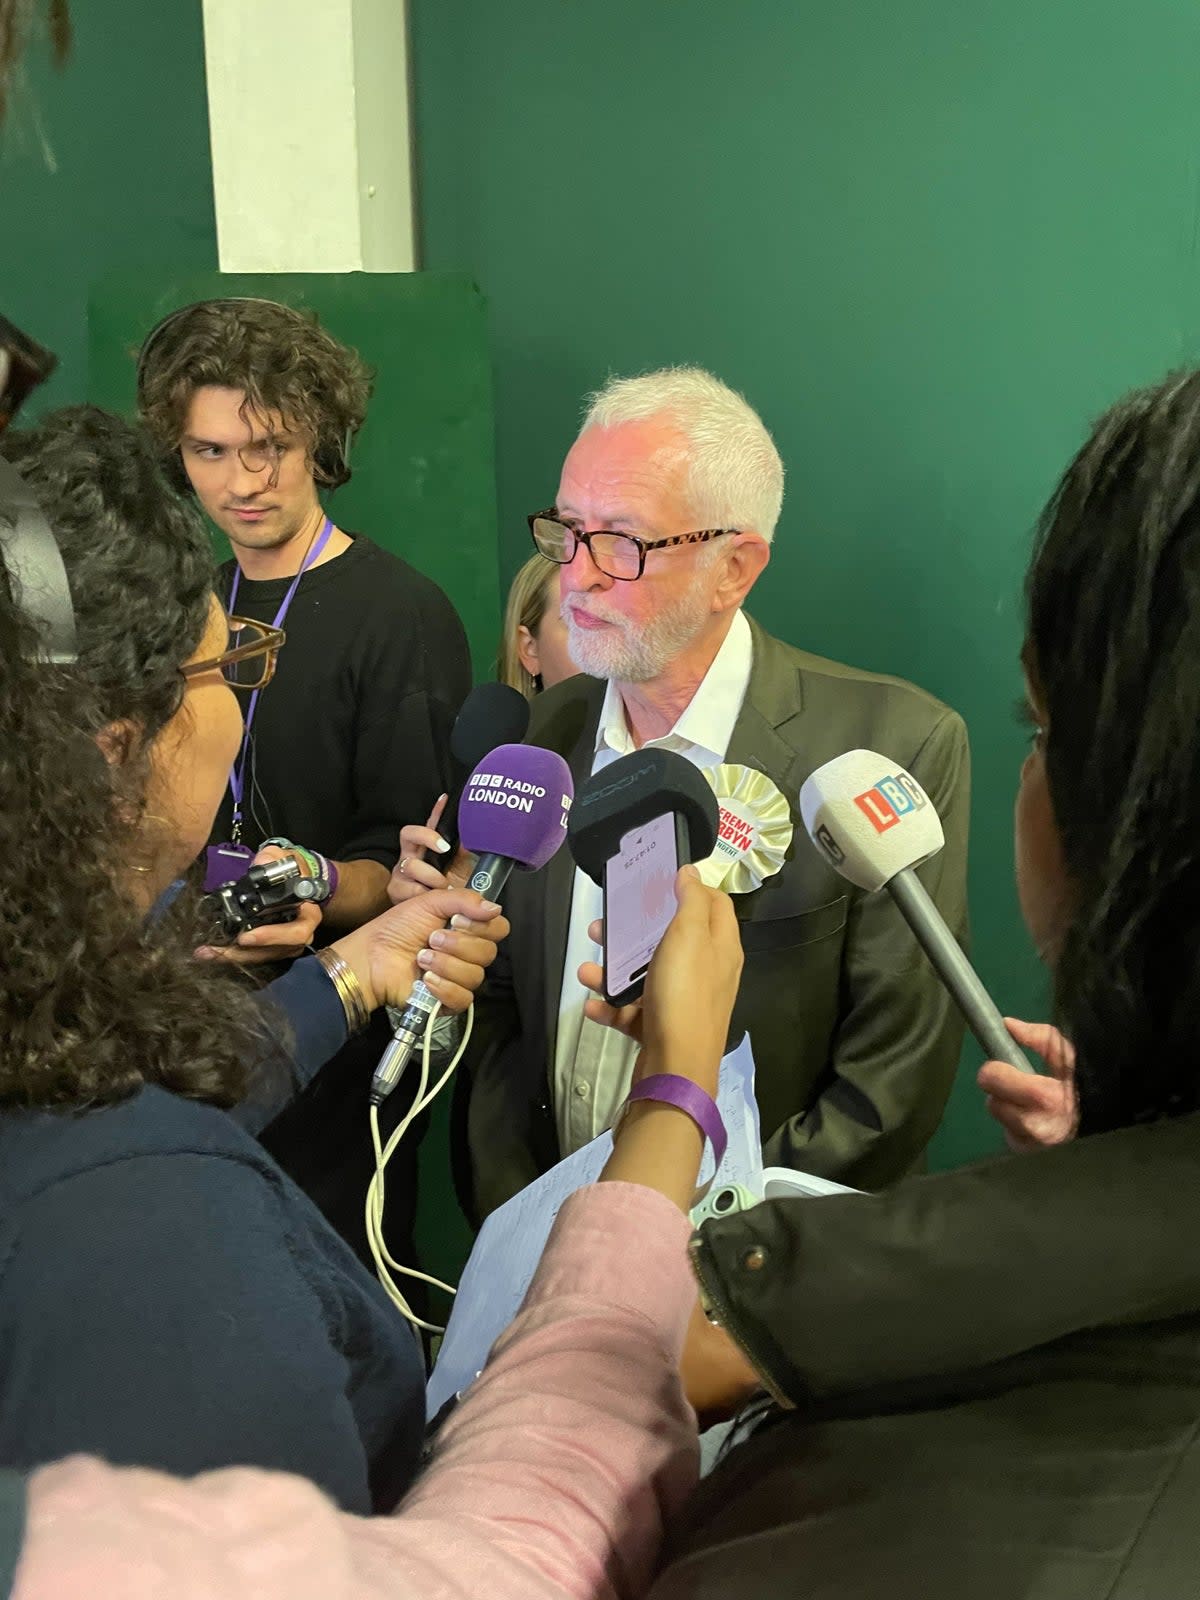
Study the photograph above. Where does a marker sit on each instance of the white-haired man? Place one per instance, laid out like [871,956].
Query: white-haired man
[662,524]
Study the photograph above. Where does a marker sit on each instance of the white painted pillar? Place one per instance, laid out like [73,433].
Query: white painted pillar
[308,109]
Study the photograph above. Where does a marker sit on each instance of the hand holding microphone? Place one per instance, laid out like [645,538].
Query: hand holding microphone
[513,814]
[1039,1111]
[874,823]
[413,941]
[493,714]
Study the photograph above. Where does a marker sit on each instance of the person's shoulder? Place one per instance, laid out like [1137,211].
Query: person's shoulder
[40,1150]
[823,674]
[559,716]
[391,572]
[387,586]
[874,710]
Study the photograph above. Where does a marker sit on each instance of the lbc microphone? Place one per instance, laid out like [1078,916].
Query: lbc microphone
[513,813]
[875,823]
[492,714]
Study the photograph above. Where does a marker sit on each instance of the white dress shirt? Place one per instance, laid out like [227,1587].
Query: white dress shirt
[593,1065]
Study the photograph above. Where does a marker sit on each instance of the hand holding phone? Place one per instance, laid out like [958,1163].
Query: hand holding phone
[639,902]
[632,826]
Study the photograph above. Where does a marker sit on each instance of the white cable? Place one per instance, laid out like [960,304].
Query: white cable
[385,1263]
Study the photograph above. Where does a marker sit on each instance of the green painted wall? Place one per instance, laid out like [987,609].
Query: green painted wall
[128,182]
[928,240]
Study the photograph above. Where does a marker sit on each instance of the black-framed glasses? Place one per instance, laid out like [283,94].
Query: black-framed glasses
[249,662]
[617,555]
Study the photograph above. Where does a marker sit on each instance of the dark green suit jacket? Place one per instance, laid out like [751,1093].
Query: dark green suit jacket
[855,1042]
[996,1382]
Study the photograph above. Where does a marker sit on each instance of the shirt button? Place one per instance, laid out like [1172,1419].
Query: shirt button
[755,1260]
[583,1090]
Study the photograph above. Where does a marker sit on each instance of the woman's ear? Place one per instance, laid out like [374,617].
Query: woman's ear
[527,651]
[117,742]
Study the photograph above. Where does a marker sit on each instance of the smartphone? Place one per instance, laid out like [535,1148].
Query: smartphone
[639,902]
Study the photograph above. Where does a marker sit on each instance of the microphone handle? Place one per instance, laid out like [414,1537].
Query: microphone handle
[489,877]
[491,874]
[956,972]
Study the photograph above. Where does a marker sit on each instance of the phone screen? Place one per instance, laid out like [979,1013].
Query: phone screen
[639,902]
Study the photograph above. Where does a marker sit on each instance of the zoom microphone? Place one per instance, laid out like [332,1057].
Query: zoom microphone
[637,789]
[874,823]
[492,714]
[632,827]
[513,813]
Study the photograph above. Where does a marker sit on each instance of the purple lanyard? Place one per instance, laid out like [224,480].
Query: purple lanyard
[237,783]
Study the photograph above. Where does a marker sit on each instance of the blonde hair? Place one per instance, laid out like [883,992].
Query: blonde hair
[526,607]
[735,476]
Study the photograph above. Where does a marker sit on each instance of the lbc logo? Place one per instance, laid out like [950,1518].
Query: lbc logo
[890,799]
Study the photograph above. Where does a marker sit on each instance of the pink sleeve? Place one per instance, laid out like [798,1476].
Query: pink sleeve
[551,1482]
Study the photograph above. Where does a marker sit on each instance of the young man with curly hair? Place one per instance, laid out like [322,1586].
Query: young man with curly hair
[257,404]
[253,406]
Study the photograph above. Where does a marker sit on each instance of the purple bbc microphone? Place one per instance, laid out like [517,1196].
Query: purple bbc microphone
[513,813]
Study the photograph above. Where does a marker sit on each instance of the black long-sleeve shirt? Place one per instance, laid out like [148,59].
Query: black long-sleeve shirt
[350,739]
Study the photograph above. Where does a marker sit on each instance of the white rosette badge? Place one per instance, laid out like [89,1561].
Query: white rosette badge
[754,833]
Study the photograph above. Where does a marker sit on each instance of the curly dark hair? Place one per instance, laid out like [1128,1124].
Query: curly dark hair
[96,999]
[283,361]
[1114,648]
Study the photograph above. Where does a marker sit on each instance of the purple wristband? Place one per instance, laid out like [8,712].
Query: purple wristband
[690,1098]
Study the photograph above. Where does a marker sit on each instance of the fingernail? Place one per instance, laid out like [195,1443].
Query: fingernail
[205,953]
[437,939]
[441,846]
[491,908]
[424,958]
[459,921]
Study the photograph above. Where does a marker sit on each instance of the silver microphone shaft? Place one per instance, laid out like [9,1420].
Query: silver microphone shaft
[956,972]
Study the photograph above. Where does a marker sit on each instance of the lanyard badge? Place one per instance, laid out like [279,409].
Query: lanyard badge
[224,864]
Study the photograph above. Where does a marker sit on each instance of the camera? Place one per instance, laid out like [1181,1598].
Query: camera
[270,892]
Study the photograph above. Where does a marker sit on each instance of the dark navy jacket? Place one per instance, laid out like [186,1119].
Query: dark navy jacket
[169,1298]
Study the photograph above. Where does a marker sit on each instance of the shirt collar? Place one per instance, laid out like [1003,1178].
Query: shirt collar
[707,721]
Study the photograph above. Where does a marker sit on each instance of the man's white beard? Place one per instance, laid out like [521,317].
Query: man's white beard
[636,655]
